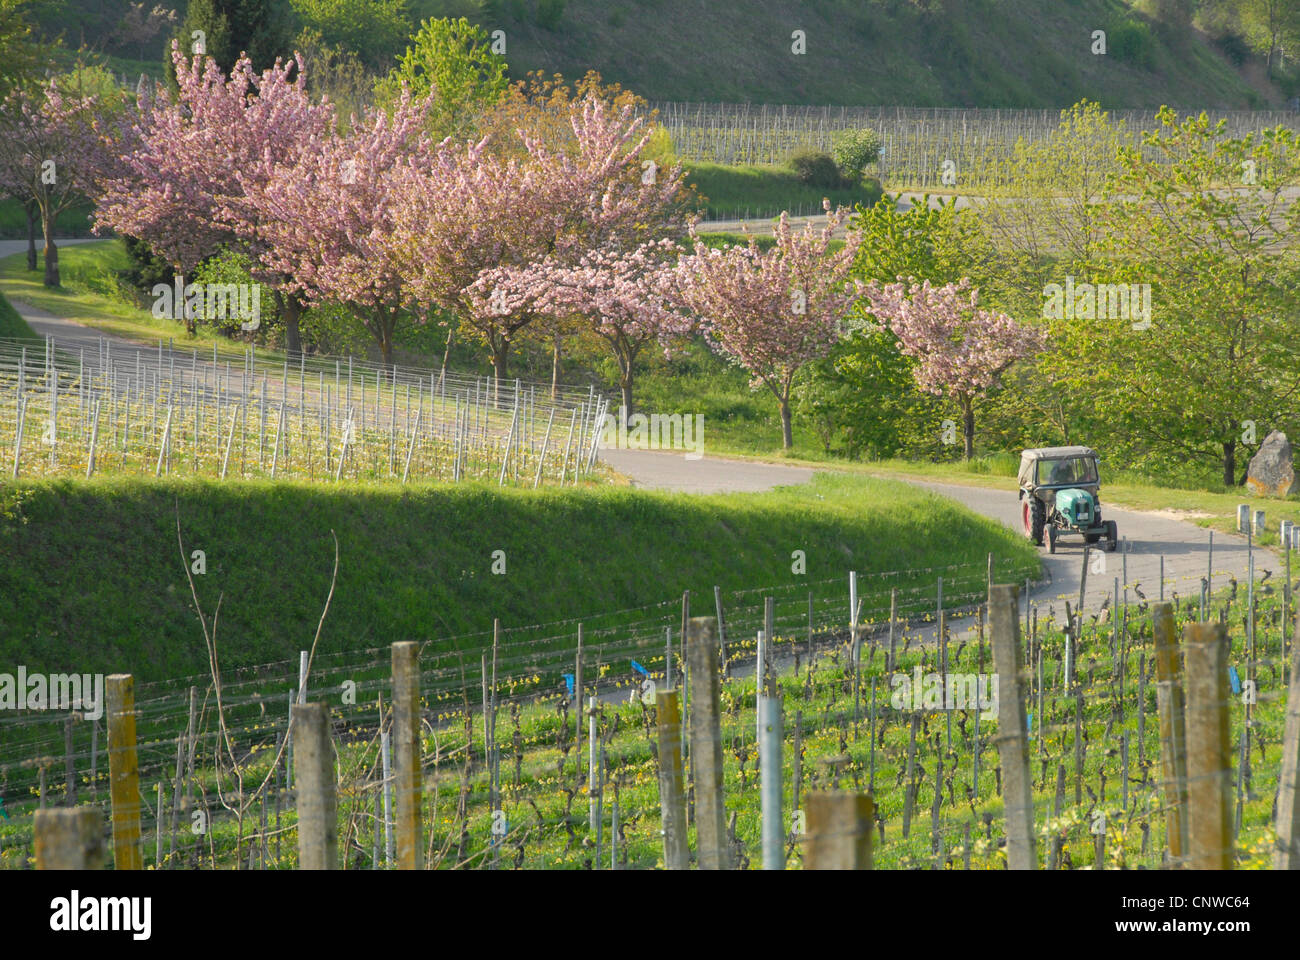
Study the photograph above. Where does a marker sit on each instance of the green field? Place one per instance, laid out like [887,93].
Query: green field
[740,192]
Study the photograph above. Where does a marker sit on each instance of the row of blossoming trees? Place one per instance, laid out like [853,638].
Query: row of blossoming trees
[505,238]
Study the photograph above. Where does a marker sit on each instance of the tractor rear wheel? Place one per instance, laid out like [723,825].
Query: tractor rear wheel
[1034,515]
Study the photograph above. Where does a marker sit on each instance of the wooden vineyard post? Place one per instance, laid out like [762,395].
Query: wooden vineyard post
[407,780]
[839,831]
[706,744]
[1286,851]
[313,760]
[1013,743]
[672,796]
[69,838]
[1209,747]
[1173,738]
[123,772]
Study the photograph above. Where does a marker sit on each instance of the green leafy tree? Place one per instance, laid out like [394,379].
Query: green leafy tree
[1208,221]
[22,58]
[863,396]
[853,151]
[375,29]
[452,63]
[261,28]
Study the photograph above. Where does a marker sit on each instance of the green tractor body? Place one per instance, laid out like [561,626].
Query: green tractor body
[1077,507]
[1060,495]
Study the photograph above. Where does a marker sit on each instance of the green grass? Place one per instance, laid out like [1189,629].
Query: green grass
[91,294]
[765,190]
[12,325]
[72,222]
[90,572]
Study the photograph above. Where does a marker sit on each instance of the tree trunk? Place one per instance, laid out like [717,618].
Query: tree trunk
[968,426]
[787,435]
[1229,463]
[292,313]
[30,208]
[555,368]
[51,251]
[446,352]
[500,355]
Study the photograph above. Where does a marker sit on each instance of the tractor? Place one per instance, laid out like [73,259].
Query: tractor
[1059,496]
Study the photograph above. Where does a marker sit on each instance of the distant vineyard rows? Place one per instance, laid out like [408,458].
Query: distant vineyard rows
[917,140]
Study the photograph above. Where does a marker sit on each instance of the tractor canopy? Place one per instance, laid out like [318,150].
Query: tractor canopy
[1058,467]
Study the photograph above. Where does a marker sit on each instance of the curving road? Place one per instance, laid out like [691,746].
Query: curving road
[1150,537]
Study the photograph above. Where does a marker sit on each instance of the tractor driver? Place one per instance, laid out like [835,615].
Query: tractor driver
[1061,472]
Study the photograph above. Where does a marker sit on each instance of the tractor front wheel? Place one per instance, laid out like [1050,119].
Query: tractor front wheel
[1034,515]
[1051,539]
[1112,536]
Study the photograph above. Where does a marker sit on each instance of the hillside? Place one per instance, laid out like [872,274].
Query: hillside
[879,52]
[986,53]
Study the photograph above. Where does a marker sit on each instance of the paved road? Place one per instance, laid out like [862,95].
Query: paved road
[673,471]
[1150,537]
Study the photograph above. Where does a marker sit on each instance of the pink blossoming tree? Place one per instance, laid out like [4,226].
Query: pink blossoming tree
[772,312]
[624,297]
[962,350]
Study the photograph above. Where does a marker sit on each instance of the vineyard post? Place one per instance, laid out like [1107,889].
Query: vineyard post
[577,700]
[386,769]
[1013,746]
[769,633]
[1209,776]
[893,620]
[1173,738]
[1286,850]
[672,796]
[123,772]
[706,743]
[909,790]
[69,838]
[407,779]
[69,764]
[839,831]
[758,687]
[853,646]
[771,770]
[591,763]
[318,832]
[722,630]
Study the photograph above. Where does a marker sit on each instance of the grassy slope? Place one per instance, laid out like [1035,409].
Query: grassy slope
[13,326]
[766,190]
[90,572]
[972,53]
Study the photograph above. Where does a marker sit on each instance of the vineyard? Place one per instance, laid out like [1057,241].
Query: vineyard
[558,746]
[163,411]
[917,141]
